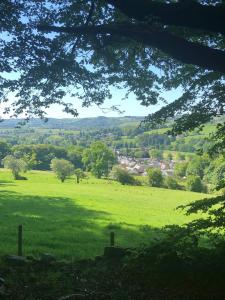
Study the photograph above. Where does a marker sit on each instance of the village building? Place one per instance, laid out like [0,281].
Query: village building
[139,166]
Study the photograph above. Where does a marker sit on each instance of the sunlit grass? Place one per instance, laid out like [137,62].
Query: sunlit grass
[74,220]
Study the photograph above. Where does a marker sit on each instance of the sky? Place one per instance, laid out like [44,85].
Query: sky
[129,107]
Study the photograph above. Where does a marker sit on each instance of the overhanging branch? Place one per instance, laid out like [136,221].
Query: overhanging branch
[176,47]
[188,14]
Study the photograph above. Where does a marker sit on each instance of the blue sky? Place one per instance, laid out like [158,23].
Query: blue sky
[130,107]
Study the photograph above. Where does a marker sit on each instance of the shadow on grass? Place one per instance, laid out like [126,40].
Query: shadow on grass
[60,226]
[7,183]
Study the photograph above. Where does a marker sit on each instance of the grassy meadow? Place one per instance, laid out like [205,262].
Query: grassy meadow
[74,220]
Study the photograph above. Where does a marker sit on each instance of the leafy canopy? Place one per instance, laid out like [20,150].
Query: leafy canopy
[52,49]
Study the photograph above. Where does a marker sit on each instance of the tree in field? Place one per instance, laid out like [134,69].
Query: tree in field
[79,173]
[25,153]
[74,155]
[171,183]
[39,156]
[62,168]
[99,159]
[15,165]
[155,177]
[144,46]
[194,184]
[122,175]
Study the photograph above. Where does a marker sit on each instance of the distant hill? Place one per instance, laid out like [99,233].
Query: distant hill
[76,124]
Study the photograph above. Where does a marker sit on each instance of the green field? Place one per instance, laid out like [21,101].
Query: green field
[74,220]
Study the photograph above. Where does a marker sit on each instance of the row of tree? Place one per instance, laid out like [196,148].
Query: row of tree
[98,159]
[200,171]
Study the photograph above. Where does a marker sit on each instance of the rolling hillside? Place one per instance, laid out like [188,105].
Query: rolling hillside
[74,220]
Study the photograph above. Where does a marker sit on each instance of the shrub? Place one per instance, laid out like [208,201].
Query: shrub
[194,184]
[171,183]
[155,177]
[121,175]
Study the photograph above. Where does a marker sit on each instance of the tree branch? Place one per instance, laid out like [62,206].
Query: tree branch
[188,13]
[176,47]
[89,17]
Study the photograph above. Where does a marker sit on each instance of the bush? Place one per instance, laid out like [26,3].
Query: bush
[171,183]
[121,175]
[155,177]
[194,184]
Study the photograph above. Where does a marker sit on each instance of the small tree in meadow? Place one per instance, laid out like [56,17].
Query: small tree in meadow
[122,175]
[155,177]
[62,168]
[79,173]
[15,165]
